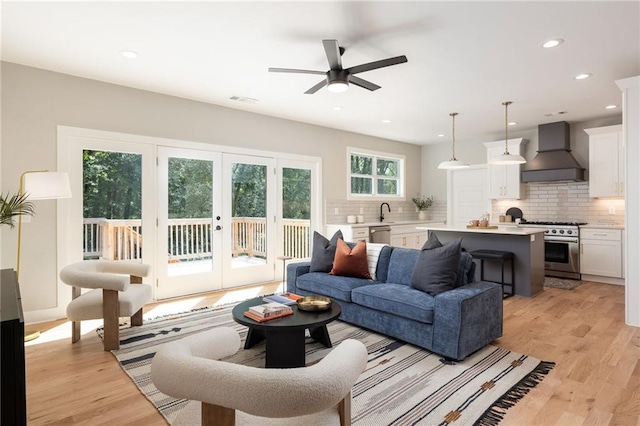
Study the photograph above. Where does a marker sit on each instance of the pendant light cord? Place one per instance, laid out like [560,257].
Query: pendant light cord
[506,126]
[453,136]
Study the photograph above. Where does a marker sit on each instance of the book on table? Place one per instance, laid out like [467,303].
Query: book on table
[284,298]
[250,314]
[269,309]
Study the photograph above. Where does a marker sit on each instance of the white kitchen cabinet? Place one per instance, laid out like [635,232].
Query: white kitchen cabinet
[407,237]
[504,180]
[606,161]
[601,253]
[351,233]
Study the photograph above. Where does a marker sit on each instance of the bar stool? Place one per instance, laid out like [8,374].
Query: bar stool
[497,256]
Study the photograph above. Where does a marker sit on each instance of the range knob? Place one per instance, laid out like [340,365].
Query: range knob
[569,232]
[562,231]
[553,231]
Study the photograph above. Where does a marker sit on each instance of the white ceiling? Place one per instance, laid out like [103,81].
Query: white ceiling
[466,57]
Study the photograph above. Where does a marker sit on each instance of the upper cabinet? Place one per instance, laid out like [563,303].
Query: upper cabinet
[606,161]
[504,181]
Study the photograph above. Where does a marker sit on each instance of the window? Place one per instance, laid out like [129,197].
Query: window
[375,175]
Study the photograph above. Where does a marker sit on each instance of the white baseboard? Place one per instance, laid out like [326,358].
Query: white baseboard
[606,280]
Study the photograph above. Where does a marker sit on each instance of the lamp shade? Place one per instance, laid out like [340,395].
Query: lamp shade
[46,185]
[507,159]
[452,165]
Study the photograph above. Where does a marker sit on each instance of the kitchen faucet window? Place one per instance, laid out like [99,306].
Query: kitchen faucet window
[375,175]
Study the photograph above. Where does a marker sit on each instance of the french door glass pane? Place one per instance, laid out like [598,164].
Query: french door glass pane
[112,205]
[190,211]
[296,212]
[248,214]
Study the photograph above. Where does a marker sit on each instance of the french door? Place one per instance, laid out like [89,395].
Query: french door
[189,222]
[248,219]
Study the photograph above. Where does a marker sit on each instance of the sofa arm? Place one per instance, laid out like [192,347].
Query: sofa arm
[467,318]
[294,270]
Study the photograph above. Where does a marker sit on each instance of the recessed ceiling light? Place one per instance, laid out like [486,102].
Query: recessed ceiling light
[611,106]
[551,114]
[513,123]
[441,135]
[129,54]
[552,43]
[386,121]
[337,108]
[582,76]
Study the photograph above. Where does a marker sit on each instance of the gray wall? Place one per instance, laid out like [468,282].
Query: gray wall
[35,102]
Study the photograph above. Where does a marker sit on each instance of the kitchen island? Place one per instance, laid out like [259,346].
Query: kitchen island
[527,245]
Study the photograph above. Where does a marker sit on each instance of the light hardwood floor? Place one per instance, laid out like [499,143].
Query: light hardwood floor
[596,380]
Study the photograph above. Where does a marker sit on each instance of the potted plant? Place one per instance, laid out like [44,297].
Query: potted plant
[422,204]
[13,206]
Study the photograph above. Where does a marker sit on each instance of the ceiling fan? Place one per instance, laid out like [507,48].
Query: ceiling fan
[337,78]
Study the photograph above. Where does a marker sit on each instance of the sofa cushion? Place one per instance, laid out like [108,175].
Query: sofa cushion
[432,242]
[465,275]
[331,286]
[396,299]
[351,262]
[323,252]
[437,269]
[401,264]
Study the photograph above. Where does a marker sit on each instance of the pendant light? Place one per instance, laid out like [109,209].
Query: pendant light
[506,158]
[454,163]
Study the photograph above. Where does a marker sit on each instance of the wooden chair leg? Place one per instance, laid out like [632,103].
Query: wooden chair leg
[136,319]
[215,415]
[75,331]
[75,325]
[344,410]
[111,320]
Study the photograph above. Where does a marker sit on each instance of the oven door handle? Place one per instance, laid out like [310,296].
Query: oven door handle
[560,240]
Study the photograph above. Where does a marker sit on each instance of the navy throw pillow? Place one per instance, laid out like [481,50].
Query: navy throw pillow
[437,269]
[323,252]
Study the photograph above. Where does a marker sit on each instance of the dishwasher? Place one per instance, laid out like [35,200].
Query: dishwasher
[380,234]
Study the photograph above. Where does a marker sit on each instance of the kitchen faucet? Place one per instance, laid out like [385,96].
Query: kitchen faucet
[382,214]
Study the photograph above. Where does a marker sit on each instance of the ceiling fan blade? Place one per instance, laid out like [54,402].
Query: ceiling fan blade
[297,71]
[315,88]
[332,49]
[377,64]
[363,83]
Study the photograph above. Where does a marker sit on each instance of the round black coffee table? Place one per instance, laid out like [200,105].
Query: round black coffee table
[285,336]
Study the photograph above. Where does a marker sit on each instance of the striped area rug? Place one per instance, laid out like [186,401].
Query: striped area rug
[402,385]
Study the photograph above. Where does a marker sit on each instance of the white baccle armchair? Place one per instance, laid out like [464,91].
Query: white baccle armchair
[117,291]
[231,394]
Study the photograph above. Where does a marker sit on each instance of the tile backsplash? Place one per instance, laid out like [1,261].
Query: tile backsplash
[564,202]
[551,201]
[400,211]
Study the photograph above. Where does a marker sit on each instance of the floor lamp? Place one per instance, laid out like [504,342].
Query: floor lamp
[40,185]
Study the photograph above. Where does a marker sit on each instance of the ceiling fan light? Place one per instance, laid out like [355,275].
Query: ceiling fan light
[338,87]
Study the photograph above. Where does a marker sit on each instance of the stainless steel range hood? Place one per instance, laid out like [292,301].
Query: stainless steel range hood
[554,161]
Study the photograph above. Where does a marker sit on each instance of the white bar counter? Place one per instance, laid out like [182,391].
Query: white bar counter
[527,245]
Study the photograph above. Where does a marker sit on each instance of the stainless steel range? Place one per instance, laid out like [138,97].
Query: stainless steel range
[561,248]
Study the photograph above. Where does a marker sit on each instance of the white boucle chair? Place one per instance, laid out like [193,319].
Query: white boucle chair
[112,296]
[238,394]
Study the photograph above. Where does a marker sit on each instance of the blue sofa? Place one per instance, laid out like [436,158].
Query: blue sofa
[454,323]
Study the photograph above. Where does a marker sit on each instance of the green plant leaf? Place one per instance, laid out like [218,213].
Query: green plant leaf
[12,206]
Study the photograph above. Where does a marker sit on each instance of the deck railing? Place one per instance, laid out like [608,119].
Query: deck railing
[190,239]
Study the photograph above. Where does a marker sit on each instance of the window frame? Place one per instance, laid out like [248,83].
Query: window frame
[401,177]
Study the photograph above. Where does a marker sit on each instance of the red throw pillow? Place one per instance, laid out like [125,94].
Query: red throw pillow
[351,262]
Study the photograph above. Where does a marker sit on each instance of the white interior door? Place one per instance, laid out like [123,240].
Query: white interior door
[467,194]
[189,222]
[249,219]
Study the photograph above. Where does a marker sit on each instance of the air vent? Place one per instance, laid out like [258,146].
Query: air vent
[244,99]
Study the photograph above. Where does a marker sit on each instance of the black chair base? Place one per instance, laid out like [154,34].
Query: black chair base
[497,256]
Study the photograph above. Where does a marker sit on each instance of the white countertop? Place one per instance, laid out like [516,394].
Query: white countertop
[503,230]
[398,222]
[602,226]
